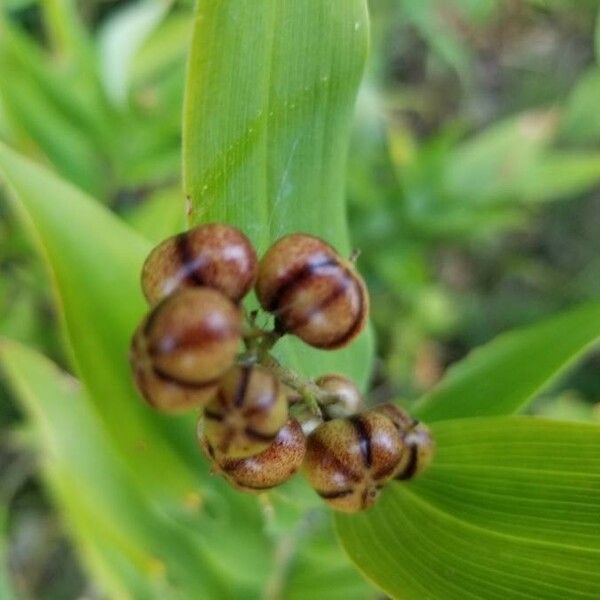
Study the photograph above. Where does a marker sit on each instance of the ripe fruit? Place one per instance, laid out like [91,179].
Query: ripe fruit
[349,396]
[249,409]
[264,471]
[417,438]
[349,460]
[313,292]
[182,348]
[214,255]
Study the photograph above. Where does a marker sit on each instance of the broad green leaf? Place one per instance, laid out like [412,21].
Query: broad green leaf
[270,93]
[95,260]
[128,545]
[509,509]
[502,376]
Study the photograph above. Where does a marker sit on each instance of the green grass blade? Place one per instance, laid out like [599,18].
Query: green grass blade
[270,93]
[94,261]
[501,377]
[126,544]
[509,509]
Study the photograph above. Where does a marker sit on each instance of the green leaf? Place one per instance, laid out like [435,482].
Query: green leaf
[580,121]
[94,260]
[270,93]
[502,376]
[120,37]
[501,156]
[509,509]
[125,542]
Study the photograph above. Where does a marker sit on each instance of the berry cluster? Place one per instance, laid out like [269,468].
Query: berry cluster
[260,423]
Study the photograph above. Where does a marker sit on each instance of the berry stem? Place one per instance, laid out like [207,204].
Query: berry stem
[312,395]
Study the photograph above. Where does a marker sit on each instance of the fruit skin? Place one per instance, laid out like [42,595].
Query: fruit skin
[348,461]
[263,471]
[160,393]
[313,292]
[213,255]
[417,438]
[247,412]
[350,398]
[183,347]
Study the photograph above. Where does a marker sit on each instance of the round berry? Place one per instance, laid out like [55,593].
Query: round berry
[416,436]
[348,461]
[264,471]
[215,255]
[349,398]
[312,291]
[162,392]
[187,342]
[247,412]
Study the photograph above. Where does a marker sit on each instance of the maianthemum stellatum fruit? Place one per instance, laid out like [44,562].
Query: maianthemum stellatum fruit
[313,292]
[246,413]
[214,255]
[183,347]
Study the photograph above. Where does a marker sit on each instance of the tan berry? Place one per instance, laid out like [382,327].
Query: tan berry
[187,342]
[313,292]
[213,255]
[349,399]
[417,438]
[348,461]
[247,412]
[264,471]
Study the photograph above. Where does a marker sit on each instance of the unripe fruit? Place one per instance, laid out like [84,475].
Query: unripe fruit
[215,255]
[349,460]
[184,346]
[417,437]
[349,397]
[247,412]
[313,292]
[266,470]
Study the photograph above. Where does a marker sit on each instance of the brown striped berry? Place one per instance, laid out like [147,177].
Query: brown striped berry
[183,347]
[264,471]
[417,437]
[247,412]
[349,398]
[213,255]
[313,292]
[348,461]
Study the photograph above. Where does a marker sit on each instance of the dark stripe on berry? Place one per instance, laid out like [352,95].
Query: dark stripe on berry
[190,385]
[256,487]
[364,439]
[258,436]
[326,456]
[295,278]
[354,328]
[337,292]
[335,495]
[240,393]
[411,467]
[189,269]
[385,471]
[212,416]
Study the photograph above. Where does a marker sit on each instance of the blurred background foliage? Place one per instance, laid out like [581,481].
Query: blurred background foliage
[508,90]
